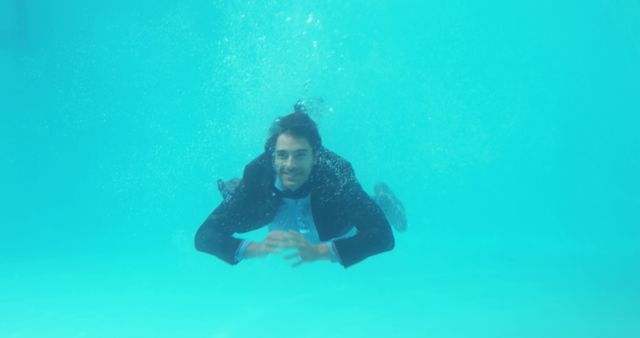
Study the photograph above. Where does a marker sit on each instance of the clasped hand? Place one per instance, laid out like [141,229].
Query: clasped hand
[278,241]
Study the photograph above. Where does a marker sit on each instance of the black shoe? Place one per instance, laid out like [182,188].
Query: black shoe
[391,206]
[227,188]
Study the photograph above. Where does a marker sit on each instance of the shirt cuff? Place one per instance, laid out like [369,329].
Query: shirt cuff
[333,253]
[241,249]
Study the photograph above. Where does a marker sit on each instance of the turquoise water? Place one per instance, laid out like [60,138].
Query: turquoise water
[510,130]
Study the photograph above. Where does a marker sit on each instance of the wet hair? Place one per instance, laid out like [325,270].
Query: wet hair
[298,124]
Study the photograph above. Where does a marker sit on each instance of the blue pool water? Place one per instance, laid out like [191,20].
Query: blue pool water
[510,130]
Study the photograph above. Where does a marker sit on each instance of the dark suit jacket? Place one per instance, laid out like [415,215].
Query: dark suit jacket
[338,203]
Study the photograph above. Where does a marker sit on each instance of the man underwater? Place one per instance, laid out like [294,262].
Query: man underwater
[308,197]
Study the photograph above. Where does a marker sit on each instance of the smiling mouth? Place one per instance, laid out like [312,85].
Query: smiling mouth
[290,175]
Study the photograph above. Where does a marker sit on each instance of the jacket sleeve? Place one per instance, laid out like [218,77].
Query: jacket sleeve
[216,235]
[374,232]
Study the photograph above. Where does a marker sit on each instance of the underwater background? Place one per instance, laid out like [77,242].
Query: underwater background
[510,131]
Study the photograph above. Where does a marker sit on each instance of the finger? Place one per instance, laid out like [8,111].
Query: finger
[280,243]
[274,251]
[292,242]
[297,264]
[296,237]
[273,241]
[271,245]
[278,233]
[287,237]
[274,235]
[291,245]
[295,234]
[273,238]
[299,239]
[293,255]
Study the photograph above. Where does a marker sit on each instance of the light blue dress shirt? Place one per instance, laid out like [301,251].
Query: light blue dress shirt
[295,214]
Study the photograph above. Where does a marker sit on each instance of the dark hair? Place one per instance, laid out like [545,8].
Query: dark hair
[298,124]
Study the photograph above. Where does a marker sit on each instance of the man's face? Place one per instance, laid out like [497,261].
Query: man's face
[293,160]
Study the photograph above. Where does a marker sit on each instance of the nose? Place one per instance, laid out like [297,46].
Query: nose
[289,162]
